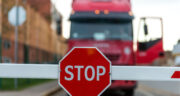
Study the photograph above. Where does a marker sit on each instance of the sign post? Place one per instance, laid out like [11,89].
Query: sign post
[16,16]
[84,72]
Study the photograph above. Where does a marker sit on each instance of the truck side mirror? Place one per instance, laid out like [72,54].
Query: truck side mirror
[145,29]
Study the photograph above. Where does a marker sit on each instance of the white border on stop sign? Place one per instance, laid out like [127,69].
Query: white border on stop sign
[69,53]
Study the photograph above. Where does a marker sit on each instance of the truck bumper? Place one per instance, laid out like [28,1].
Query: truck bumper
[123,84]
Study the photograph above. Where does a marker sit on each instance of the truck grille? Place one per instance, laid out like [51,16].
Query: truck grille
[112,57]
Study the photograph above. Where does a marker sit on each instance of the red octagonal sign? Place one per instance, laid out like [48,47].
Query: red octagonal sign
[84,72]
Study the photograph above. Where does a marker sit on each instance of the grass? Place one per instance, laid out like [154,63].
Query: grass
[8,84]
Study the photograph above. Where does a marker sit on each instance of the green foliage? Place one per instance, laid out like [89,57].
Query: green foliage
[8,84]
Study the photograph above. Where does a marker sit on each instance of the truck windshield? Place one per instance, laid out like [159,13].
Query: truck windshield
[101,30]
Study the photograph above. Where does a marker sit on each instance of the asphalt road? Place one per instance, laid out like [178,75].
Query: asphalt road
[145,88]
[167,88]
[150,88]
[137,93]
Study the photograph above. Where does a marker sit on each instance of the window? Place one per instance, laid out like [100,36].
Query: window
[101,30]
[7,44]
[6,60]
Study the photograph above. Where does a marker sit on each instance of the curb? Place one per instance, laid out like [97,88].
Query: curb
[52,91]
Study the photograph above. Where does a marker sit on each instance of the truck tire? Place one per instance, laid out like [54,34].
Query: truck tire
[129,92]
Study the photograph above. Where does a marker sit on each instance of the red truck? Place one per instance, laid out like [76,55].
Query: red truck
[107,25]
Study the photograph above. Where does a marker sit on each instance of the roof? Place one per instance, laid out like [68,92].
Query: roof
[111,5]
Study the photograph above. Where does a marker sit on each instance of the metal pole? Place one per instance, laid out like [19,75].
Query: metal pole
[16,42]
[0,56]
[26,48]
[1,40]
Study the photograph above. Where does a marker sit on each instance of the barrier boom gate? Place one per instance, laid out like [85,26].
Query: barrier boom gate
[50,71]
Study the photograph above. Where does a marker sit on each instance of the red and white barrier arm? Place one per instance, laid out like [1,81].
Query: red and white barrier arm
[146,73]
[50,71]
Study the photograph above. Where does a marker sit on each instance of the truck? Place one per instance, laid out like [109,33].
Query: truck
[108,25]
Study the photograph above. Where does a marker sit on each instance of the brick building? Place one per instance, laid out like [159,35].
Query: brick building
[37,41]
[0,15]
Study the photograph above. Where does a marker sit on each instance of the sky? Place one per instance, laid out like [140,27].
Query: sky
[167,9]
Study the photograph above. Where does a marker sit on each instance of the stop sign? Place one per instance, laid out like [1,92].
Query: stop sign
[84,72]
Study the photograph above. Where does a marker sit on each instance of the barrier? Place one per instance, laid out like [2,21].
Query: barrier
[50,71]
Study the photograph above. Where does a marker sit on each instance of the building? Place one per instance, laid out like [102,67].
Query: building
[0,16]
[37,41]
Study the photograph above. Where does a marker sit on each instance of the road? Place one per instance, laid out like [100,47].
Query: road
[137,93]
[150,88]
[166,88]
[145,88]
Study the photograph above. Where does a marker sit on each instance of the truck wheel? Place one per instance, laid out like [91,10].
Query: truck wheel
[129,92]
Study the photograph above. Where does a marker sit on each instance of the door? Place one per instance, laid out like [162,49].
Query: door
[150,40]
